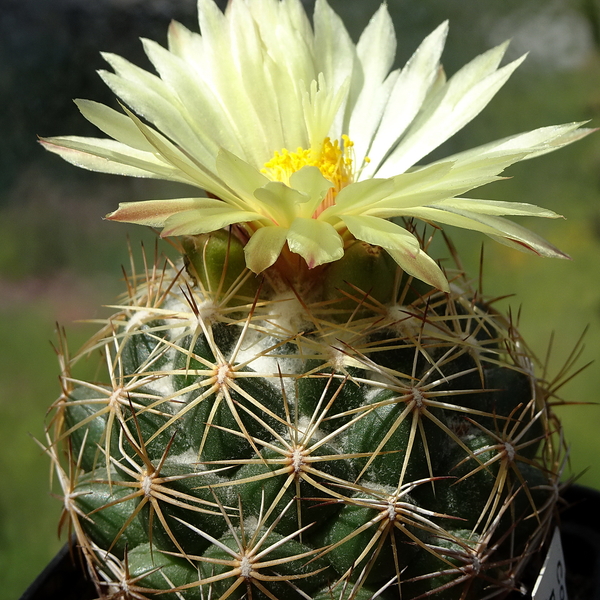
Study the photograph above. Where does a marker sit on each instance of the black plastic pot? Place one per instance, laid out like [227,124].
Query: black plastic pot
[64,578]
[580,536]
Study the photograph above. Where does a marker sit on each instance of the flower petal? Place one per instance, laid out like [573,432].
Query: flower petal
[438,182]
[372,82]
[108,156]
[154,213]
[380,232]
[376,48]
[172,153]
[187,45]
[406,99]
[334,54]
[264,247]
[149,96]
[255,72]
[320,107]
[205,220]
[366,197]
[355,198]
[498,228]
[242,83]
[316,241]
[241,177]
[460,100]
[310,181]
[208,120]
[289,41]
[280,202]
[497,208]
[115,124]
[421,266]
[401,245]
[283,203]
[527,145]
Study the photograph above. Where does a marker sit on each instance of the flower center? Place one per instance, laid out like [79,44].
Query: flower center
[333,159]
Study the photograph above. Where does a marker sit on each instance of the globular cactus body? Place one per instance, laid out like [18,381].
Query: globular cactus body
[331,434]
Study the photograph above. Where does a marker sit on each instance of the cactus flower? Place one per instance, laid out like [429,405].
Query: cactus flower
[305,141]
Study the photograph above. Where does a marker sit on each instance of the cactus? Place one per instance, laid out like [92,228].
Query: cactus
[317,442]
[305,405]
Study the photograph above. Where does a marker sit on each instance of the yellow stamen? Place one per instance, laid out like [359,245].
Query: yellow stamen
[334,162]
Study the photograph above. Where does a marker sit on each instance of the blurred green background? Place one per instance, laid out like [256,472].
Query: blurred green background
[60,262]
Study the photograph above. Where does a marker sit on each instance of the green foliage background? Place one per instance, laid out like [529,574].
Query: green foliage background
[58,261]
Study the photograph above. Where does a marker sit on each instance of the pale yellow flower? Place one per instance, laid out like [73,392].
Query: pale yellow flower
[303,138]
